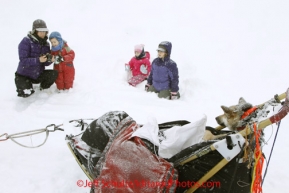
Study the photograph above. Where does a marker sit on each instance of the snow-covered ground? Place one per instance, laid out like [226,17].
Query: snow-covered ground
[224,50]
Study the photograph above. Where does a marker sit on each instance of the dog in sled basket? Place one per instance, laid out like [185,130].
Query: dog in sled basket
[119,155]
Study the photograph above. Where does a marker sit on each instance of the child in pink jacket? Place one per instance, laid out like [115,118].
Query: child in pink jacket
[139,65]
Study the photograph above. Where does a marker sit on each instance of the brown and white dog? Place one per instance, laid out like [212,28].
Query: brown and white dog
[231,118]
[232,115]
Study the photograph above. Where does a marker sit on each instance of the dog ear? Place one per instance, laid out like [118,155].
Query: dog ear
[243,105]
[226,109]
[242,101]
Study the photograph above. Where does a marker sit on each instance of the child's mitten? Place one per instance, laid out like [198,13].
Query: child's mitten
[147,87]
[127,68]
[174,95]
[58,59]
[143,69]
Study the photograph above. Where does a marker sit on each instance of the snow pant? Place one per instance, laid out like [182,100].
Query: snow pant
[24,83]
[65,77]
[163,93]
[135,80]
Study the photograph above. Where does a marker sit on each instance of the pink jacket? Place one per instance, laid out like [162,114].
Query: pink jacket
[135,65]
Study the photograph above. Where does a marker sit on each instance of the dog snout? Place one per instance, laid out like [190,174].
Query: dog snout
[220,121]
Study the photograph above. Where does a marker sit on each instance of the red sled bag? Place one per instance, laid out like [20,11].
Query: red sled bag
[129,167]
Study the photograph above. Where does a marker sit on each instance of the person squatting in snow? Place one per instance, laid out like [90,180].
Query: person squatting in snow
[164,75]
[63,57]
[139,65]
[33,53]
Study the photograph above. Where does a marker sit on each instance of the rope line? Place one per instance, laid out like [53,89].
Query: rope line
[31,133]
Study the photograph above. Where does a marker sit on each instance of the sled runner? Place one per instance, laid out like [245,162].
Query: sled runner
[230,162]
[75,154]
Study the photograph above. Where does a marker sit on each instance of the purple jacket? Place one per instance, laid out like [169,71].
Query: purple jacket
[164,72]
[29,51]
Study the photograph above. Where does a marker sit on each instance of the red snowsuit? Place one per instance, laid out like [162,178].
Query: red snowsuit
[65,69]
[135,65]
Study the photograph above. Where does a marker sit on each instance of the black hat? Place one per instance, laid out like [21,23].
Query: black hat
[39,25]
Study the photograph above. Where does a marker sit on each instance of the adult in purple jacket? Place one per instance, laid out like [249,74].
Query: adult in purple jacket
[33,50]
[164,76]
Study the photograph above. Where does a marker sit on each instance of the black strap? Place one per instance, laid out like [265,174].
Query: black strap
[170,124]
[229,142]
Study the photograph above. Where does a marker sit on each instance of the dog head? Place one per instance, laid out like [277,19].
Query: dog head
[232,115]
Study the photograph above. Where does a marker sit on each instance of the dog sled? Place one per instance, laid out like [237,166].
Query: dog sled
[231,160]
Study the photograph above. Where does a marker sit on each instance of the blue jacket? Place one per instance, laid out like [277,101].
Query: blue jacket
[164,72]
[29,51]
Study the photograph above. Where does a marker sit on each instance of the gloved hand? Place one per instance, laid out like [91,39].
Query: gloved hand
[147,87]
[127,68]
[42,58]
[49,57]
[58,59]
[174,95]
[143,69]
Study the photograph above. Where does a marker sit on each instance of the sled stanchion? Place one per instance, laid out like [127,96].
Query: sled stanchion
[208,175]
[281,96]
[200,154]
[277,98]
[80,122]
[264,123]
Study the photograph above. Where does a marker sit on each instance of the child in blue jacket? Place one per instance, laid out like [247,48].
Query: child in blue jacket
[164,76]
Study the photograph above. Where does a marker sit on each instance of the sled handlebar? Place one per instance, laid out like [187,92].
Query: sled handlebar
[278,116]
[274,118]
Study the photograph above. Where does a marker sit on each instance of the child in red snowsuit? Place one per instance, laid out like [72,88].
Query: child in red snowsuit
[139,65]
[63,61]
